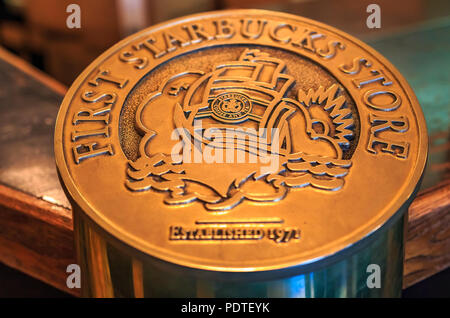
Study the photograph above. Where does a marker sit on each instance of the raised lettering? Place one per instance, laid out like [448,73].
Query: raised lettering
[274,33]
[104,75]
[245,30]
[131,58]
[390,106]
[374,77]
[225,29]
[382,123]
[356,65]
[306,39]
[88,150]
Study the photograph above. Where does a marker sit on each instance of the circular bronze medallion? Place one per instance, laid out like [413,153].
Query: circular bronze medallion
[240,141]
[231,107]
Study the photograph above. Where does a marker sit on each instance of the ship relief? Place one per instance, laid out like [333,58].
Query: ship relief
[239,133]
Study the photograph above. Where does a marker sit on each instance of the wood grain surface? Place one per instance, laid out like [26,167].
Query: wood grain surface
[36,237]
[427,250]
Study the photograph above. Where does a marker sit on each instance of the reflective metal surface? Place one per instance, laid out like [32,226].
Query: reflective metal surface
[344,144]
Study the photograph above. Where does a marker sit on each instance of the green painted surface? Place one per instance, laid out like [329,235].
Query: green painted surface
[422,55]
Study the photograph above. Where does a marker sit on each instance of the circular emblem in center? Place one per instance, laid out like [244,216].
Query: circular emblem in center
[231,107]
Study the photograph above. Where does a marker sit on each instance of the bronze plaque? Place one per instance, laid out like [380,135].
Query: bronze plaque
[240,141]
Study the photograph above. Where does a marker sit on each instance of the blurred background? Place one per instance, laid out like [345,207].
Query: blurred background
[414,36]
[36,29]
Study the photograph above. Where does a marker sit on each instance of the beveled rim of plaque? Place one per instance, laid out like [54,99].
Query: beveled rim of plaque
[407,190]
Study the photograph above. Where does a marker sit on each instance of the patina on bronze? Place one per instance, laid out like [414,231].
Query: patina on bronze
[159,147]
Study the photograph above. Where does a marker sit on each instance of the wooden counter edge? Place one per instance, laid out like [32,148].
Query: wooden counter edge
[36,237]
[427,249]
